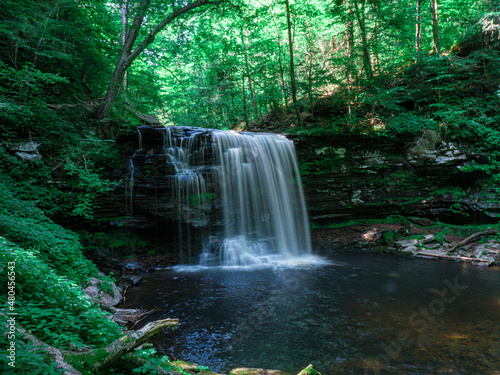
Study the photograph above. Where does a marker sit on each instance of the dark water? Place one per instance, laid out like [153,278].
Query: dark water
[364,314]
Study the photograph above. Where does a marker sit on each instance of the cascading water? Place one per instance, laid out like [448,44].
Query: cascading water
[129,188]
[263,207]
[264,210]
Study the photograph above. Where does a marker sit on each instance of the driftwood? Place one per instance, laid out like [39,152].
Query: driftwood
[123,316]
[472,237]
[451,257]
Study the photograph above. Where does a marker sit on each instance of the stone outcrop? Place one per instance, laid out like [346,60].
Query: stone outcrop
[355,177]
[27,150]
[344,178]
[149,195]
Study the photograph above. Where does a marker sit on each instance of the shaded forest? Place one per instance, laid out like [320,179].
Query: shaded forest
[76,77]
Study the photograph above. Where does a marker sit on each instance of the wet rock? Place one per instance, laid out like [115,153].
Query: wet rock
[25,150]
[422,221]
[111,300]
[411,249]
[432,245]
[374,235]
[23,146]
[428,238]
[133,268]
[407,243]
[92,291]
[375,179]
[132,279]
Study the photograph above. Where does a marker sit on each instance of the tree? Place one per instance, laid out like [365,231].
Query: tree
[436,48]
[418,30]
[131,50]
[360,16]
[292,71]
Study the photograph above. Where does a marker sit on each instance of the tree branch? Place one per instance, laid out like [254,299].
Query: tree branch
[170,18]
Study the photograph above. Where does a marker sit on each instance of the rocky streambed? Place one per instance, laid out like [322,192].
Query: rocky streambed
[478,245]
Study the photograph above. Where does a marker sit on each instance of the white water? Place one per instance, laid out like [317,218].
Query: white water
[264,209]
[264,213]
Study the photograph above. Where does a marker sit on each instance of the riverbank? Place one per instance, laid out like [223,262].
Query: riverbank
[417,237]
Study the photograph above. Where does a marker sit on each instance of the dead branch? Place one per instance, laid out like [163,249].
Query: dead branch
[472,237]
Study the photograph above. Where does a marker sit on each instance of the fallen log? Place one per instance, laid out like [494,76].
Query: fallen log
[99,359]
[472,237]
[453,257]
[123,316]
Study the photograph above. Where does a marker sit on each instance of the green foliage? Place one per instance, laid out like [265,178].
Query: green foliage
[106,283]
[31,360]
[409,125]
[23,223]
[155,361]
[122,242]
[52,306]
[26,83]
[440,236]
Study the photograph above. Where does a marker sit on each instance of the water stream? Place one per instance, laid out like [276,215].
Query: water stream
[361,314]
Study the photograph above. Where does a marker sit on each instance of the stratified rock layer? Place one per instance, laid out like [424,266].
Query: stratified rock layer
[355,177]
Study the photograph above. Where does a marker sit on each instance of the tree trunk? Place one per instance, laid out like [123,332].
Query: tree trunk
[367,61]
[245,113]
[251,88]
[418,30]
[435,30]
[129,53]
[99,359]
[292,68]
[350,58]
[124,36]
[281,79]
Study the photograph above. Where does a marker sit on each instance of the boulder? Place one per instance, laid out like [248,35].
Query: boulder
[428,238]
[407,243]
[111,300]
[24,150]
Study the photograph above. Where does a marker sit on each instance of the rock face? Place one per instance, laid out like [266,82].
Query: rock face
[25,150]
[344,178]
[150,194]
[355,177]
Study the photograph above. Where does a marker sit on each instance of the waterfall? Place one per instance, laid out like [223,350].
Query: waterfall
[129,188]
[263,209]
